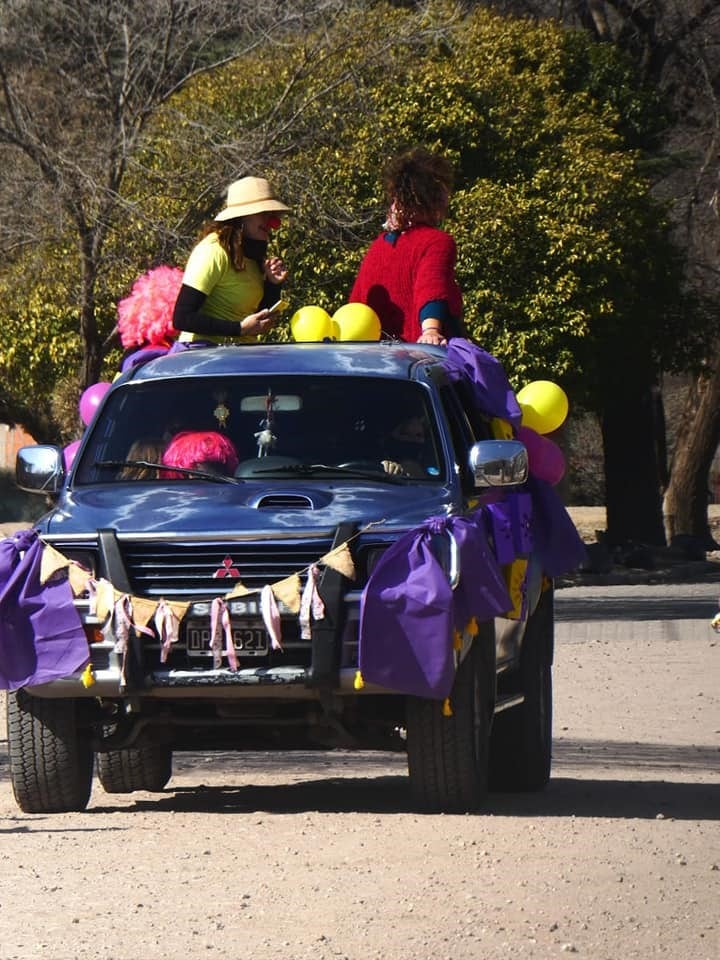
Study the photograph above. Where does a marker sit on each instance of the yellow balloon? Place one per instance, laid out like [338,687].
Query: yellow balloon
[357,321]
[310,324]
[544,406]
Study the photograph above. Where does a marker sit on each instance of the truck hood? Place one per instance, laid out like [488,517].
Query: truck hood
[246,508]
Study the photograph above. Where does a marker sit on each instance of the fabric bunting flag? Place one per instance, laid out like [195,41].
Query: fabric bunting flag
[340,559]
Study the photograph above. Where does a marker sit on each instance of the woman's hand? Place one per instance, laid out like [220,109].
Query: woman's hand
[434,337]
[275,270]
[256,323]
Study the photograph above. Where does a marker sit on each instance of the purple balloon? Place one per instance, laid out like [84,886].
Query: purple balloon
[69,453]
[90,400]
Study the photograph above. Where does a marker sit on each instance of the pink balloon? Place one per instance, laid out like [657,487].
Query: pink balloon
[553,462]
[69,453]
[90,400]
[533,444]
[545,458]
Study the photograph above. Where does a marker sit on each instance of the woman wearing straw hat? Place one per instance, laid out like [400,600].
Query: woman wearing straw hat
[229,281]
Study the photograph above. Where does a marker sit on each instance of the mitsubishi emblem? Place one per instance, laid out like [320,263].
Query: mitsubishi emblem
[227,570]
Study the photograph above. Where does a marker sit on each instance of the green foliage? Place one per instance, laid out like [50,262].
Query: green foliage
[42,347]
[563,257]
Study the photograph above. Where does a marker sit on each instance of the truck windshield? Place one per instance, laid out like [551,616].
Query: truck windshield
[262,427]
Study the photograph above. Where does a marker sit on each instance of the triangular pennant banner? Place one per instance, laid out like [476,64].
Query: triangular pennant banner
[105,596]
[288,591]
[340,559]
[143,610]
[52,561]
[78,578]
[239,590]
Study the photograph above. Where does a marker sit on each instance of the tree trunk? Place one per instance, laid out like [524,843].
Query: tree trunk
[92,354]
[633,441]
[686,498]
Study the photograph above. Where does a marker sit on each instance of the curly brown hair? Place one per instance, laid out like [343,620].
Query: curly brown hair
[416,184]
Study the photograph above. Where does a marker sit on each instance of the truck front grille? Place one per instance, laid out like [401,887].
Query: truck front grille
[185,570]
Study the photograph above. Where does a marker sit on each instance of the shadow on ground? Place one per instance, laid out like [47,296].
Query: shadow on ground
[642,782]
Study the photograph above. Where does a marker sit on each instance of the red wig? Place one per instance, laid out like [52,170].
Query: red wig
[193,450]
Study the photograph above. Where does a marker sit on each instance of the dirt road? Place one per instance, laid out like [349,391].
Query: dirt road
[316,856]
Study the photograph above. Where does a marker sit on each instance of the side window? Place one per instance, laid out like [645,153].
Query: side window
[461,431]
[479,422]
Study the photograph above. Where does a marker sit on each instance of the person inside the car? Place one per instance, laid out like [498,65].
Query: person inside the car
[405,447]
[206,451]
[230,282]
[148,451]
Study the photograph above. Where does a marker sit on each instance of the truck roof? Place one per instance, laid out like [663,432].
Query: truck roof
[382,359]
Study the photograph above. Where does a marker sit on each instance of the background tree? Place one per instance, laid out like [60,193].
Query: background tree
[675,45]
[564,258]
[81,84]
[79,81]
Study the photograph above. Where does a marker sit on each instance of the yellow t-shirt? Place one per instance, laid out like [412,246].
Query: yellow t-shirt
[231,294]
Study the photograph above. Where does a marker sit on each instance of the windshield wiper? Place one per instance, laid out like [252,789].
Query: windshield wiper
[314,469]
[185,471]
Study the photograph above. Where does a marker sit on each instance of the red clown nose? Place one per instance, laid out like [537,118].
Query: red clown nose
[273,223]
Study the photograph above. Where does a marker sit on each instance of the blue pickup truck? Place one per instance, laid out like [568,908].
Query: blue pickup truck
[372,569]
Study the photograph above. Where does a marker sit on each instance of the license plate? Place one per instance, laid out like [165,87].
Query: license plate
[251,640]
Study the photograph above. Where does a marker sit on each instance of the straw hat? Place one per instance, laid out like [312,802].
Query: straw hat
[250,195]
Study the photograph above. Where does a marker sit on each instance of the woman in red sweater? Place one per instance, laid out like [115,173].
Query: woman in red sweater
[408,273]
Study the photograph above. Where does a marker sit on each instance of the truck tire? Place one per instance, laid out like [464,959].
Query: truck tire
[146,767]
[51,763]
[448,755]
[521,737]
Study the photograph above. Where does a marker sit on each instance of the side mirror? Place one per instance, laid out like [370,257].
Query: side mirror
[498,463]
[40,469]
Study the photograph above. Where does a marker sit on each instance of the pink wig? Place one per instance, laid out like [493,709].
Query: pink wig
[190,449]
[145,315]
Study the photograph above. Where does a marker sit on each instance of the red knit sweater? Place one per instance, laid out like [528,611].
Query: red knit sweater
[398,279]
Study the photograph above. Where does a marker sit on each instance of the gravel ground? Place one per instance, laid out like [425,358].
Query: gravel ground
[319,855]
[293,856]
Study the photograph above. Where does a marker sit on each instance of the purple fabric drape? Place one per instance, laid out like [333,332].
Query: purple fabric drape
[558,544]
[511,523]
[488,380]
[409,612]
[406,620]
[482,591]
[41,634]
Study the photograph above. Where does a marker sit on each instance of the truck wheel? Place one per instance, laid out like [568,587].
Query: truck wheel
[448,755]
[147,767]
[521,738]
[51,763]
